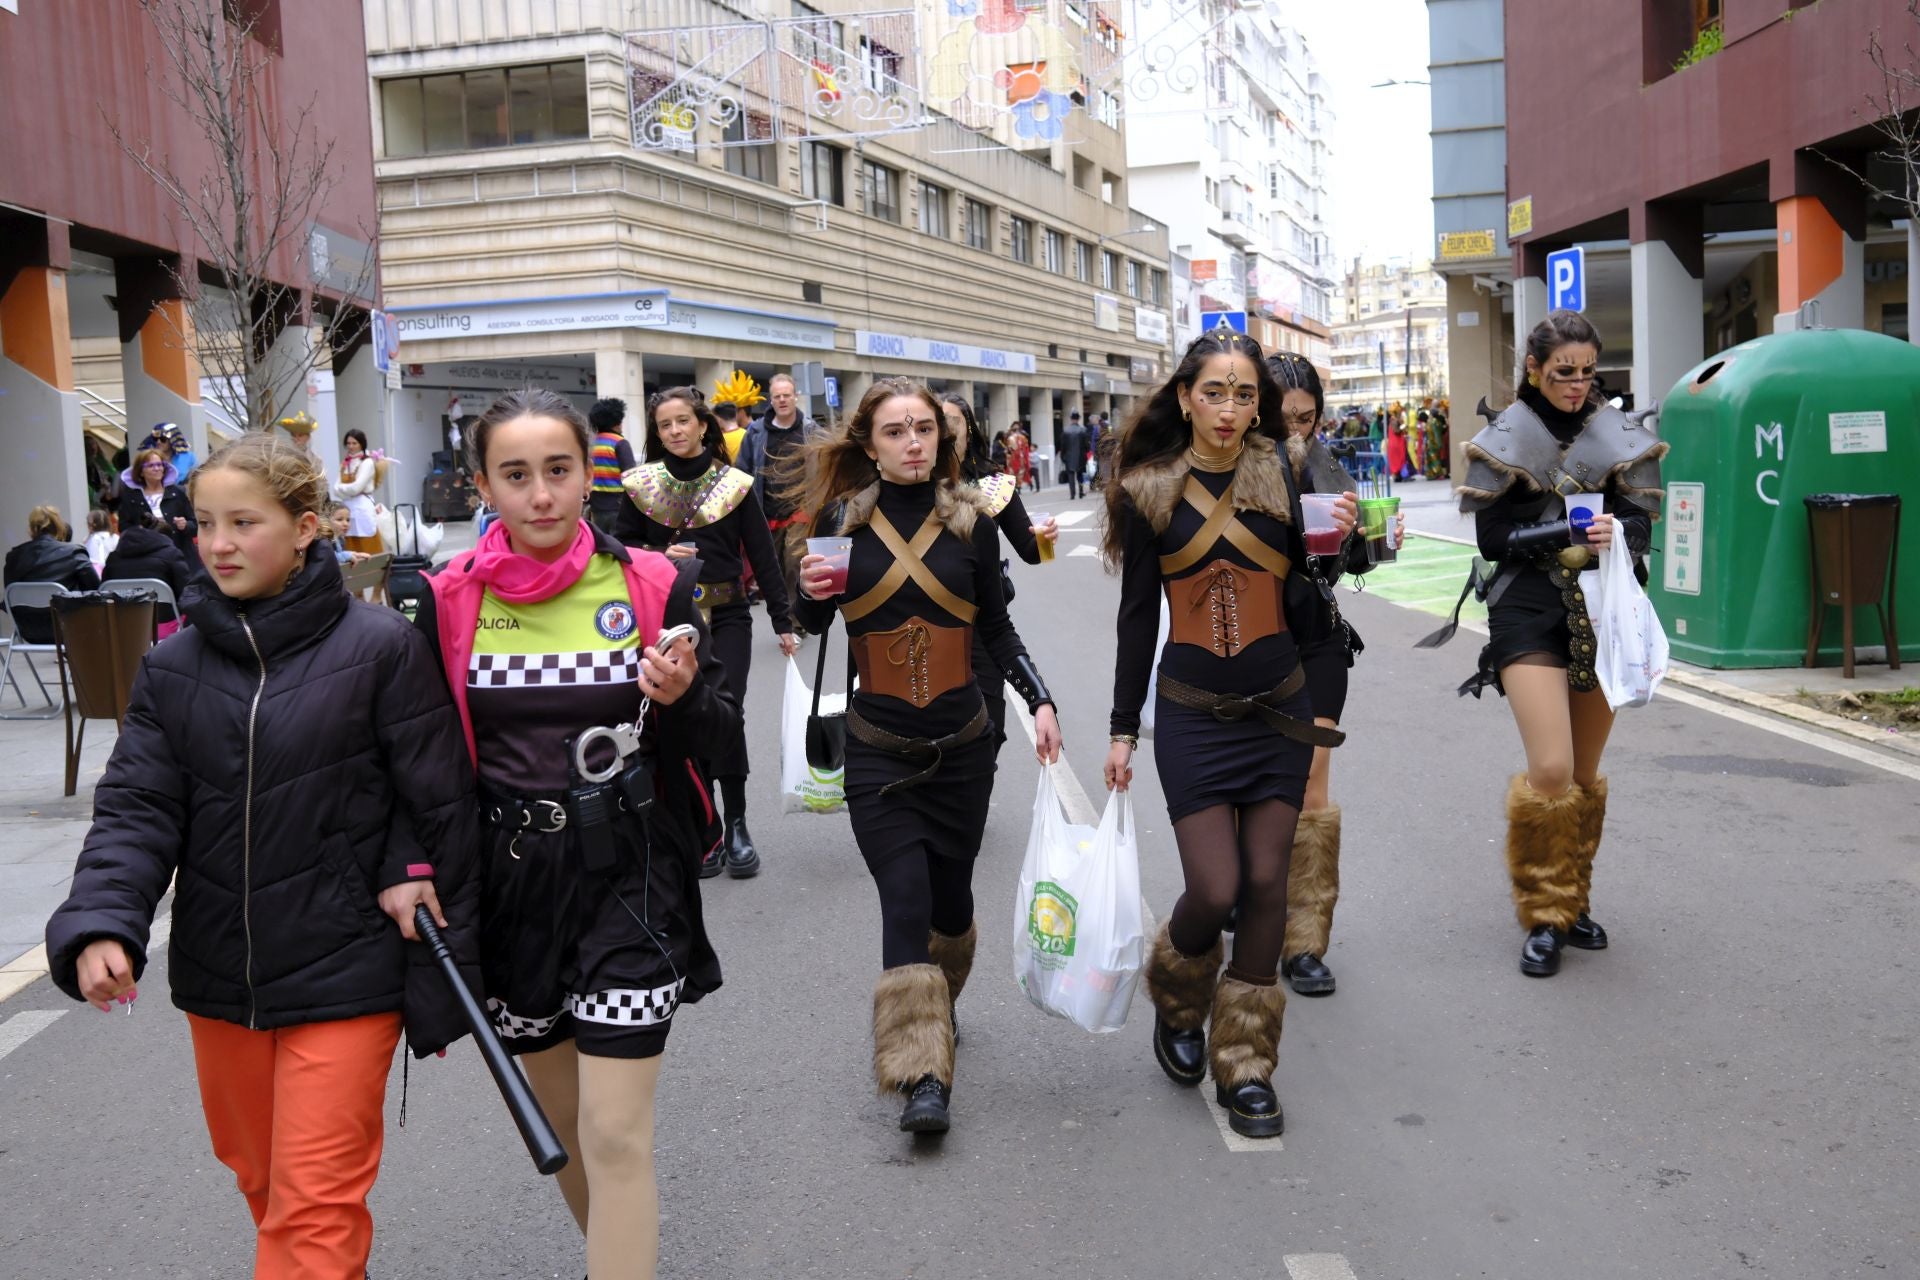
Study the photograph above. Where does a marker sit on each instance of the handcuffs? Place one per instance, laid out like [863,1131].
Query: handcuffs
[596,795]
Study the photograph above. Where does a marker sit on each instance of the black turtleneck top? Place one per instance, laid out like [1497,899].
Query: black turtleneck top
[726,546]
[1493,523]
[970,568]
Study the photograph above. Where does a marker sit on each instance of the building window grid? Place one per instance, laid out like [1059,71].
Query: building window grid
[484,109]
[882,186]
[1022,240]
[821,177]
[933,210]
[1109,269]
[1053,251]
[978,228]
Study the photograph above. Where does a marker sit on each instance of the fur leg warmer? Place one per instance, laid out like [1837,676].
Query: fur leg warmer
[954,956]
[912,1027]
[1544,842]
[1313,883]
[1243,1044]
[1593,819]
[1181,986]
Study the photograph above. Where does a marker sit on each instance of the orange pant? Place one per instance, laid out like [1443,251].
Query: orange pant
[297,1115]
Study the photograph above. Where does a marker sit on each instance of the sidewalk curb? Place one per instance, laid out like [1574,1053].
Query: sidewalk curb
[1688,677]
[21,972]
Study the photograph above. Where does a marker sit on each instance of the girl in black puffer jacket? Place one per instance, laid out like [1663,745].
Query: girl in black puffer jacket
[293,763]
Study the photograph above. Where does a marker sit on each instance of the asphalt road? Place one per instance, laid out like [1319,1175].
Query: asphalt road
[1728,1091]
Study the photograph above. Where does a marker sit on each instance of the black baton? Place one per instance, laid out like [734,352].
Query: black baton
[542,1143]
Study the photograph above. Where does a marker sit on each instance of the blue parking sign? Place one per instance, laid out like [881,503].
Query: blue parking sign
[1567,280]
[833,391]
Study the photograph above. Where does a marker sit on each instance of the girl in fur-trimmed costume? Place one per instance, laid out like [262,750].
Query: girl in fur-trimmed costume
[924,576]
[1558,439]
[1204,511]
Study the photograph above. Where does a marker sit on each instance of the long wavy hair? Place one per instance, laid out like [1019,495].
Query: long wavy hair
[713,436]
[977,461]
[837,466]
[1158,433]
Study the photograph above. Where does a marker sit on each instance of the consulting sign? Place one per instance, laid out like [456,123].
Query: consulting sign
[638,310]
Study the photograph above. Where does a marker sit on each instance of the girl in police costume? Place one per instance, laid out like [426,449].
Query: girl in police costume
[1204,514]
[1327,651]
[687,501]
[591,933]
[925,574]
[1559,438]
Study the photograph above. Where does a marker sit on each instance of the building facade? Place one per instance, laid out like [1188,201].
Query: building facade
[606,199]
[1231,152]
[1714,142]
[1391,345]
[92,253]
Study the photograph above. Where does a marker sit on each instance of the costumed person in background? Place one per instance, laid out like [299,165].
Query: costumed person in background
[291,767]
[732,399]
[1558,439]
[1326,653]
[612,459]
[1396,441]
[1000,500]
[1203,512]
[359,474]
[300,428]
[1019,455]
[151,485]
[774,447]
[591,931]
[1417,446]
[689,503]
[924,574]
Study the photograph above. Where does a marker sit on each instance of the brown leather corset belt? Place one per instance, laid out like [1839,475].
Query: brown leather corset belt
[1225,607]
[915,662]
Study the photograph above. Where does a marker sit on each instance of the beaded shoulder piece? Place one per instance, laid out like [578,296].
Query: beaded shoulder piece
[686,504]
[998,490]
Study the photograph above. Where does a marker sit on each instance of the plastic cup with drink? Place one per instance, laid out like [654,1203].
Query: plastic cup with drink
[1378,526]
[1045,543]
[1581,509]
[1323,534]
[839,557]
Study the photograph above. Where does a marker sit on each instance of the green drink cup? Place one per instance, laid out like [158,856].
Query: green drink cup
[1376,523]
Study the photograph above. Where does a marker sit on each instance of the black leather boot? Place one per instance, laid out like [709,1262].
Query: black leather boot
[743,860]
[926,1109]
[1309,975]
[715,862]
[1540,954]
[1587,935]
[1181,1054]
[1253,1109]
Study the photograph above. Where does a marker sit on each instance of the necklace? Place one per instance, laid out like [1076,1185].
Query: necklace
[1226,462]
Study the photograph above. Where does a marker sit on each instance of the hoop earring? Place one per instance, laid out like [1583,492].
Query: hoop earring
[1186,415]
[1256,423]
[1533,380]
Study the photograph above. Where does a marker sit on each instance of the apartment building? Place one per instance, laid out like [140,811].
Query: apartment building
[605,197]
[1391,346]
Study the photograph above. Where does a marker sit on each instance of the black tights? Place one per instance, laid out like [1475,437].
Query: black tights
[1235,860]
[921,891]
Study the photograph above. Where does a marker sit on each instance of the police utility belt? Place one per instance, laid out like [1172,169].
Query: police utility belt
[594,801]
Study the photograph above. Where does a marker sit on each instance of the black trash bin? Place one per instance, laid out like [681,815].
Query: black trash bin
[1854,541]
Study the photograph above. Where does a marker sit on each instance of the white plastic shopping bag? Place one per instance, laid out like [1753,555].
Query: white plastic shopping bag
[1079,934]
[1153,677]
[803,788]
[1631,647]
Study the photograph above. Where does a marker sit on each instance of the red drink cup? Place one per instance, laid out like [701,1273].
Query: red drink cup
[839,554]
[1322,534]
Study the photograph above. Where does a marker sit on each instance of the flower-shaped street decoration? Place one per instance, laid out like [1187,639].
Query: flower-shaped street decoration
[1043,117]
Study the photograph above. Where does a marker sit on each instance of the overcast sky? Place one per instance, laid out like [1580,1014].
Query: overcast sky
[1381,187]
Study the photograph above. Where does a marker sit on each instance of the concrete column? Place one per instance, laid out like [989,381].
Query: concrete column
[292,351]
[1529,309]
[1668,332]
[45,455]
[361,399]
[1477,362]
[1819,263]
[854,384]
[707,374]
[1003,406]
[619,373]
[161,375]
[962,386]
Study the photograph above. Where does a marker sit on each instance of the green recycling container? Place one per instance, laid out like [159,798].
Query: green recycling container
[1752,431]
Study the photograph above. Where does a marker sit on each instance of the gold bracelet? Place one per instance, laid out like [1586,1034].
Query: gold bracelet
[1131,739]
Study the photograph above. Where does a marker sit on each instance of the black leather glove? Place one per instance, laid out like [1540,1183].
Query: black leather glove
[1549,535]
[1025,677]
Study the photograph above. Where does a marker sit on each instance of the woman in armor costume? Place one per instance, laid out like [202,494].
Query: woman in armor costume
[1203,511]
[1327,653]
[1558,439]
[924,575]
[687,501]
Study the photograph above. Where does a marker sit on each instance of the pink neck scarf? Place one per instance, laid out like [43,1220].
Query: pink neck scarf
[520,579]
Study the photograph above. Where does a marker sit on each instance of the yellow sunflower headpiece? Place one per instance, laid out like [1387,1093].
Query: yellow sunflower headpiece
[299,424]
[738,388]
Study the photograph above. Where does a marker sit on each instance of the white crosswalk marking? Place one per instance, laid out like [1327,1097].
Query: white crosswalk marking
[22,1027]
[1318,1266]
[1067,519]
[1085,549]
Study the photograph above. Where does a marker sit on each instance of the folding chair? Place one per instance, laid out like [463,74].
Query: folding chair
[29,595]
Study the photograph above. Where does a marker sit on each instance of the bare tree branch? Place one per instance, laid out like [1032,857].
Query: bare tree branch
[1894,110]
[248,216]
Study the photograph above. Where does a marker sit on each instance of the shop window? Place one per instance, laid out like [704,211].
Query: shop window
[476,110]
[1022,248]
[882,189]
[821,177]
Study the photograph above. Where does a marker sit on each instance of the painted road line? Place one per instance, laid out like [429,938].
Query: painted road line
[22,1027]
[1085,549]
[1318,1266]
[1233,1140]
[1066,519]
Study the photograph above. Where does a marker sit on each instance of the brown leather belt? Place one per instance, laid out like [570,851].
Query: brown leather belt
[916,661]
[928,751]
[1225,607]
[1229,707]
[711,595]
